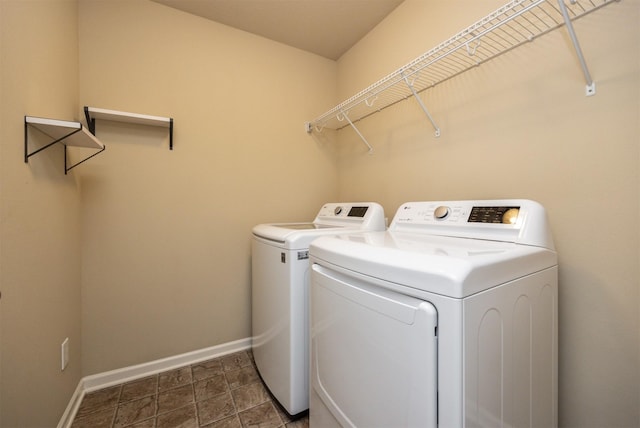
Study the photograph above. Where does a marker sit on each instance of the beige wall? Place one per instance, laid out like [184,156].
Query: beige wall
[520,126]
[159,239]
[166,234]
[39,214]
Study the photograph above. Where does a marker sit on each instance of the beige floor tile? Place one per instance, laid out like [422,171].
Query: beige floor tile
[98,419]
[243,376]
[206,369]
[216,408]
[236,361]
[147,423]
[230,422]
[135,411]
[249,396]
[299,423]
[213,393]
[184,417]
[175,398]
[174,378]
[210,387]
[99,400]
[139,388]
[263,416]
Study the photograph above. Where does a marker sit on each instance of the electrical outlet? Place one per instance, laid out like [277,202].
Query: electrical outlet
[65,353]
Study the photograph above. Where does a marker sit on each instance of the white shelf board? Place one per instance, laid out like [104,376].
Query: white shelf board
[122,116]
[57,129]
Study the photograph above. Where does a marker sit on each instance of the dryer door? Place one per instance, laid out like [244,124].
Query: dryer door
[374,353]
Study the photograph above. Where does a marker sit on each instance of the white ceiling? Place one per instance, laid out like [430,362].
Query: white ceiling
[325,27]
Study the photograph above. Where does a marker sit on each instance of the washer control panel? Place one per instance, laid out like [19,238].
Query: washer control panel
[366,215]
[344,210]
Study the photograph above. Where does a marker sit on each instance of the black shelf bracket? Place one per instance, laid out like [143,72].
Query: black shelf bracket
[93,113]
[58,130]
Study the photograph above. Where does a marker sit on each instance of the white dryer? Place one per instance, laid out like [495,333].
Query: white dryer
[280,293]
[448,319]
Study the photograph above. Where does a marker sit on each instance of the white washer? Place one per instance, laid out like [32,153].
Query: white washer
[448,319]
[280,292]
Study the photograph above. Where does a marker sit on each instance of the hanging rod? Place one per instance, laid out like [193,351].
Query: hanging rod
[514,24]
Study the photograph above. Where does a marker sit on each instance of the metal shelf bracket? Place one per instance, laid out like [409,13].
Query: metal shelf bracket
[591,85]
[346,117]
[66,162]
[93,113]
[422,106]
[56,129]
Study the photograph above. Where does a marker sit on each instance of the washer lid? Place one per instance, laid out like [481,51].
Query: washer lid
[450,266]
[296,235]
[332,218]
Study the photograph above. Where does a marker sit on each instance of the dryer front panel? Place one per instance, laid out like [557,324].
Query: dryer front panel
[374,353]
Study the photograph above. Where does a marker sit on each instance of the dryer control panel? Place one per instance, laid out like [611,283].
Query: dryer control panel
[511,220]
[493,215]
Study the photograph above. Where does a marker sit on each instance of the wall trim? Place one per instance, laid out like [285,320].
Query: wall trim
[126,374]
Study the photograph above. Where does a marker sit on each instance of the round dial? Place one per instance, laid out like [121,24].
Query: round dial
[337,210]
[441,212]
[510,216]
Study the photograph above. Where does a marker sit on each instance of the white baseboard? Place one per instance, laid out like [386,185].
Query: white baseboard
[127,374]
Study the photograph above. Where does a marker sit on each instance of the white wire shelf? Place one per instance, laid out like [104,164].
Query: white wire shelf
[510,26]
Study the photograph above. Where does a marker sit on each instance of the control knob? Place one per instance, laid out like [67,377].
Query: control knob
[441,212]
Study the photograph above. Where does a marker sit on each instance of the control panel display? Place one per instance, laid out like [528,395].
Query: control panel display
[500,215]
[357,211]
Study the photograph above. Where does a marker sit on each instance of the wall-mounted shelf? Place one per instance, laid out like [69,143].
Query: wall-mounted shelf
[61,131]
[512,25]
[93,113]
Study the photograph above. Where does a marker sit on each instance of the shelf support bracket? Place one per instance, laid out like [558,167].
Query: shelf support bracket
[67,169]
[591,85]
[171,134]
[27,155]
[424,108]
[91,122]
[346,117]
[122,117]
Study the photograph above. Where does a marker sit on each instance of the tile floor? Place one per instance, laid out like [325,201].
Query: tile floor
[223,392]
